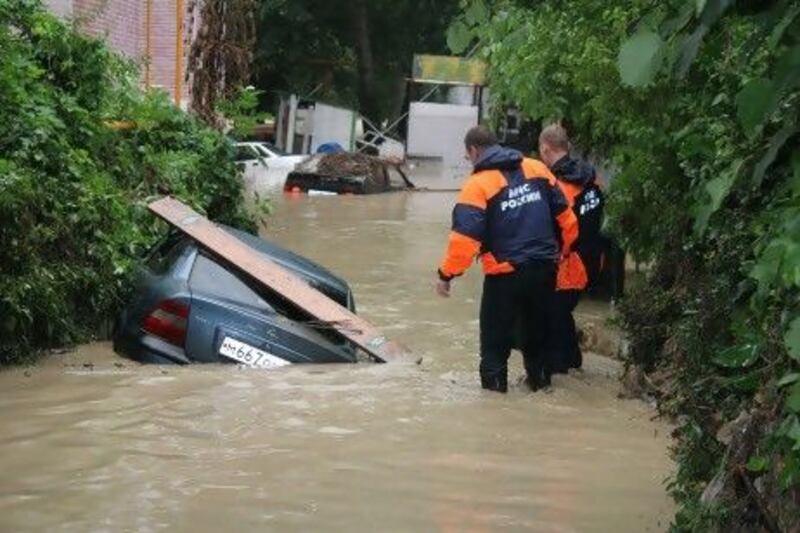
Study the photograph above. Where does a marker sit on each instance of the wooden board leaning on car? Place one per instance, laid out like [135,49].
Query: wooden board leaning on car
[280,281]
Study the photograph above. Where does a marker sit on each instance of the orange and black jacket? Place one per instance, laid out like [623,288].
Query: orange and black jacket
[509,212]
[578,181]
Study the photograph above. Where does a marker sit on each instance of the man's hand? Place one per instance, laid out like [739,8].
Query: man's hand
[443,288]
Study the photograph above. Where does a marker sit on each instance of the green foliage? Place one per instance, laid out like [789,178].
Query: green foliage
[755,102]
[792,340]
[74,184]
[465,29]
[757,463]
[458,37]
[639,58]
[241,110]
[692,104]
[737,356]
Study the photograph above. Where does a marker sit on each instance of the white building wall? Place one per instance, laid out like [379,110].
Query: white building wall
[332,124]
[437,130]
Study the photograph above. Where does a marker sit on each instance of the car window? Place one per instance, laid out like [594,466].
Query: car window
[211,278]
[274,149]
[263,152]
[166,253]
[244,153]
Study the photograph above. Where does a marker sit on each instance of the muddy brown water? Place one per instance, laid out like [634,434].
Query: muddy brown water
[92,442]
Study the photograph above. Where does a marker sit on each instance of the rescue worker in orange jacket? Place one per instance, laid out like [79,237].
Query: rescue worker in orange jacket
[577,270]
[512,215]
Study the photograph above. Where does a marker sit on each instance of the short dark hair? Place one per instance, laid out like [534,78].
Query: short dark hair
[480,137]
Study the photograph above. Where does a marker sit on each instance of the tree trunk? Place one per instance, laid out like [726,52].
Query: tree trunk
[366,65]
[221,55]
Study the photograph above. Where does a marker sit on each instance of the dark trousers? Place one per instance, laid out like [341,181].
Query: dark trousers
[522,299]
[562,348]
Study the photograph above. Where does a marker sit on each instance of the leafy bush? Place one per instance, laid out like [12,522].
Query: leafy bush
[696,104]
[241,112]
[82,149]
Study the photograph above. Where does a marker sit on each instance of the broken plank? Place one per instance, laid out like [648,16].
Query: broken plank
[279,280]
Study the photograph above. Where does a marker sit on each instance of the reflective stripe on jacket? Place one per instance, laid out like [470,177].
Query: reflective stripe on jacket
[508,213]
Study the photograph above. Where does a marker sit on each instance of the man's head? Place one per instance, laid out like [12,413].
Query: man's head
[553,144]
[477,140]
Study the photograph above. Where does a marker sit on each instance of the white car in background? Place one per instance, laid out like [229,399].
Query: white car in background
[272,156]
[264,165]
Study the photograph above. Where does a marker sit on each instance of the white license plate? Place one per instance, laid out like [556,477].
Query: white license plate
[250,355]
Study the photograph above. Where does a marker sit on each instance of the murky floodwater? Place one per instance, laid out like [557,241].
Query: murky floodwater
[91,442]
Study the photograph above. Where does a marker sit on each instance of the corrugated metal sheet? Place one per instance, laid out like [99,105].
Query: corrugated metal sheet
[333,124]
[437,130]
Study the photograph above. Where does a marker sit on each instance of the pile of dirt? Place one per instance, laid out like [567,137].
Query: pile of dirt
[342,165]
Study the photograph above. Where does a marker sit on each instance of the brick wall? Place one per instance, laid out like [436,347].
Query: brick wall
[118,21]
[162,65]
[123,24]
[62,8]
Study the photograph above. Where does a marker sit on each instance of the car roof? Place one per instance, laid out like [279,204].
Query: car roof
[302,266]
[263,144]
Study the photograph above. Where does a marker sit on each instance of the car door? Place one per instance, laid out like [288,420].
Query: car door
[278,167]
[252,162]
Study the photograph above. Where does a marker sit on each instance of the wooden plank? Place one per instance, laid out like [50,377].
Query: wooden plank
[280,280]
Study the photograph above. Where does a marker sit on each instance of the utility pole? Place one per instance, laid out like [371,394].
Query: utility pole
[148,41]
[179,16]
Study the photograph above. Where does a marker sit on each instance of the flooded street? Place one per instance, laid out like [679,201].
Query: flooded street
[93,442]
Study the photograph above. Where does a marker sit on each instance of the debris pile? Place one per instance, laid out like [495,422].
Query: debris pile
[346,164]
[344,172]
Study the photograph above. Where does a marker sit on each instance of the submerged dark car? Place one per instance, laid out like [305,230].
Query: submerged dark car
[189,307]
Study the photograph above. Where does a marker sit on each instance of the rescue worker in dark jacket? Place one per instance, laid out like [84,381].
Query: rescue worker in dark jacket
[580,268]
[508,214]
